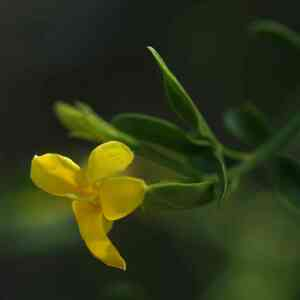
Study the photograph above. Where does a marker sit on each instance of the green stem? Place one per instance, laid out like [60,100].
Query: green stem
[266,151]
[235,154]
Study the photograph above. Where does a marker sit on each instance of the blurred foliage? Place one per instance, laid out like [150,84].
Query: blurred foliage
[32,222]
[248,125]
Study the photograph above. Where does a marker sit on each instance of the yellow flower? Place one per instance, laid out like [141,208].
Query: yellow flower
[99,196]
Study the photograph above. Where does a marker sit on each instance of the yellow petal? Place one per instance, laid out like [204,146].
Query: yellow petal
[55,174]
[107,225]
[119,196]
[108,159]
[93,228]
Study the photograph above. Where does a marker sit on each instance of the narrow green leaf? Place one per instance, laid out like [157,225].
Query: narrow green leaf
[179,100]
[288,179]
[248,124]
[178,196]
[222,186]
[82,122]
[211,161]
[276,29]
[157,131]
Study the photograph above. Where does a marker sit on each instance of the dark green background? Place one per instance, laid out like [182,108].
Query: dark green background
[95,51]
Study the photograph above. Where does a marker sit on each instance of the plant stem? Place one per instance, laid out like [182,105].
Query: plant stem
[249,161]
[235,154]
[266,151]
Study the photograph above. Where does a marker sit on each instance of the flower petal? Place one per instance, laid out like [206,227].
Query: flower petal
[55,174]
[108,159]
[93,228]
[119,196]
[107,225]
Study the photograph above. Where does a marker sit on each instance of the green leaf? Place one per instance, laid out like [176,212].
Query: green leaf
[84,123]
[178,196]
[222,186]
[288,179]
[276,29]
[210,161]
[180,102]
[157,131]
[248,124]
